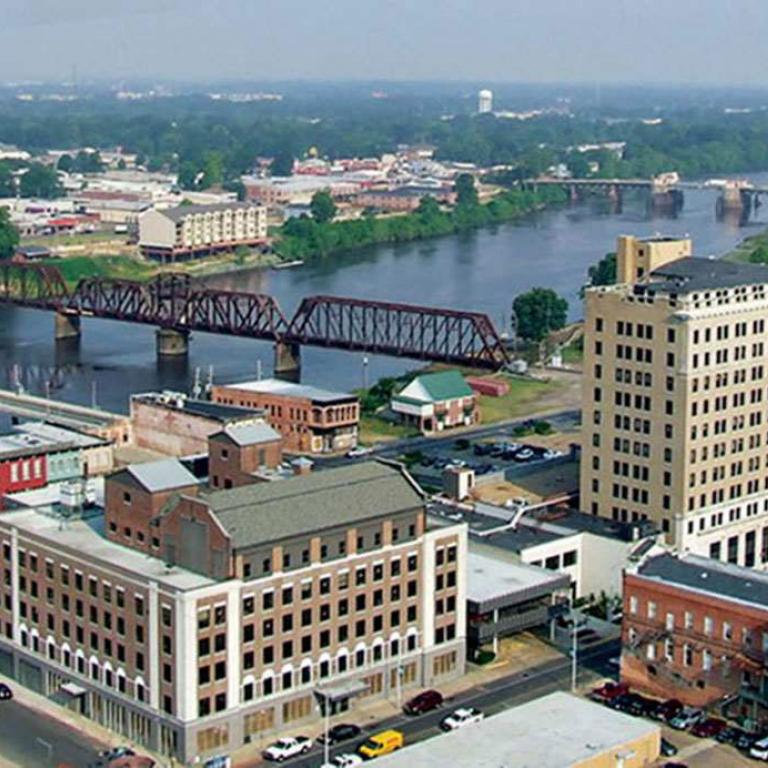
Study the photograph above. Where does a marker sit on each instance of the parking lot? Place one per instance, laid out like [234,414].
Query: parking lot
[703,753]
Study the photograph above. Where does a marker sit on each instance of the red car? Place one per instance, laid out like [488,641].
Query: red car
[609,691]
[424,702]
[667,710]
[708,728]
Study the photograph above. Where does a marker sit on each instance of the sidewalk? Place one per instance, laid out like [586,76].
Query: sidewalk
[516,654]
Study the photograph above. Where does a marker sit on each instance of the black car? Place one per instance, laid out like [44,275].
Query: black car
[621,702]
[482,449]
[730,735]
[639,706]
[6,694]
[341,732]
[668,749]
[745,741]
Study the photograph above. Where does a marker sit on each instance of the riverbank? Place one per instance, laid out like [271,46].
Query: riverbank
[752,249]
[309,240]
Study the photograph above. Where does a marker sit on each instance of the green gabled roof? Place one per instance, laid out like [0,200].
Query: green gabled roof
[446,385]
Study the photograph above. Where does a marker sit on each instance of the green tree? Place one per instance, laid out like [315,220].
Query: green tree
[39,181]
[322,207]
[213,171]
[7,185]
[604,272]
[282,164]
[9,236]
[65,163]
[538,312]
[759,255]
[466,194]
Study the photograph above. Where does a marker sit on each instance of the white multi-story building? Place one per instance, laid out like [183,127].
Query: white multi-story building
[192,231]
[484,101]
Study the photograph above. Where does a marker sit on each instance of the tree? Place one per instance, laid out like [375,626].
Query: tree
[538,312]
[322,207]
[65,163]
[466,194]
[39,181]
[282,164]
[9,236]
[604,272]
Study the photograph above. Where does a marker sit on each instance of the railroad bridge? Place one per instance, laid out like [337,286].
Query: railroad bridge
[178,305]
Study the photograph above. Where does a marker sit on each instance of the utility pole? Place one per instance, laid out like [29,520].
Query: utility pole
[574,650]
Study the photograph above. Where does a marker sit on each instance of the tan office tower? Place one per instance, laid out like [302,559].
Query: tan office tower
[673,403]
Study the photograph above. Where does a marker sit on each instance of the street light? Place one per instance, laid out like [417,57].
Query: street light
[575,626]
[324,705]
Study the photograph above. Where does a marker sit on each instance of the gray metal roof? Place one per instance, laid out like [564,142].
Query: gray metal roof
[162,475]
[492,582]
[689,275]
[182,211]
[250,433]
[289,389]
[264,512]
[722,580]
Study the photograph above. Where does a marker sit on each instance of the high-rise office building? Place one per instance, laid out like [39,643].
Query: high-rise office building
[674,399]
[484,101]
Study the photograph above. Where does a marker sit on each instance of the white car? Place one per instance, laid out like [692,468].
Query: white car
[284,749]
[460,718]
[347,760]
[760,750]
[361,450]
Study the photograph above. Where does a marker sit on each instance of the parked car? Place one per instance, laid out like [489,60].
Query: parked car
[340,732]
[608,691]
[759,750]
[361,450]
[666,710]
[461,444]
[686,718]
[730,735]
[381,744]
[219,761]
[525,454]
[347,760]
[668,749]
[287,747]
[460,718]
[709,728]
[116,752]
[425,701]
[621,703]
[482,449]
[6,694]
[640,706]
[745,741]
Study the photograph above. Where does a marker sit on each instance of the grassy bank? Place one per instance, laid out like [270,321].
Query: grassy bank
[306,239]
[752,249]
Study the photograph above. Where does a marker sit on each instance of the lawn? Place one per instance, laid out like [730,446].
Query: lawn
[123,267]
[376,430]
[524,398]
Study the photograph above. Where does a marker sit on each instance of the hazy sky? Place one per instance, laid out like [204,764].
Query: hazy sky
[701,41]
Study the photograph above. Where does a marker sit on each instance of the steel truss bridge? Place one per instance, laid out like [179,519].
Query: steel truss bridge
[175,302]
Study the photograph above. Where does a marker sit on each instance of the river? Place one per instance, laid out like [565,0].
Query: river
[482,270]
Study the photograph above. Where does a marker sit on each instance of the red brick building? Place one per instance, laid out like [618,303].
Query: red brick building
[310,419]
[239,453]
[696,629]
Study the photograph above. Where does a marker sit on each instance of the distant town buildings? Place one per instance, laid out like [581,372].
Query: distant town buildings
[192,231]
[484,101]
[436,401]
[310,419]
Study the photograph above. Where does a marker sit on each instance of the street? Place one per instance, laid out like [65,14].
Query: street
[490,698]
[30,739]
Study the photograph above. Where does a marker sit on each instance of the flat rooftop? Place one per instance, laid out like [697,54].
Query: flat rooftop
[289,389]
[205,408]
[491,579]
[343,496]
[702,574]
[691,275]
[554,731]
[85,537]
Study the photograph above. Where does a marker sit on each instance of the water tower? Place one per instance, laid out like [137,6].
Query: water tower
[484,101]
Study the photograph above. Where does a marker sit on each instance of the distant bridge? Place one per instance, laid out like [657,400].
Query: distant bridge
[176,305]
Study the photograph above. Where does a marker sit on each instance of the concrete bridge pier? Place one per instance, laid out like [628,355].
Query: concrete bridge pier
[287,360]
[573,193]
[171,343]
[66,326]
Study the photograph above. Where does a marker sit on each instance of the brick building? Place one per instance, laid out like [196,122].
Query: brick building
[310,419]
[697,630]
[240,452]
[257,600]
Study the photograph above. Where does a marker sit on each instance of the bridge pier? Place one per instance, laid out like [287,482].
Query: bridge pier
[171,343]
[66,326]
[287,360]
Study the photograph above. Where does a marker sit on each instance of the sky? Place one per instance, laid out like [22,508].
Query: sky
[638,41]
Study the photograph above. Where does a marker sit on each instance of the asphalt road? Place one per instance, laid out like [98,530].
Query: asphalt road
[31,740]
[491,698]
